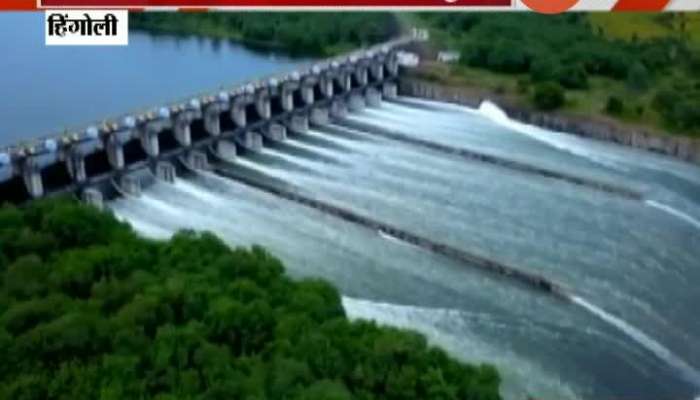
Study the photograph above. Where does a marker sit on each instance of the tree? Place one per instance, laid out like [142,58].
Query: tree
[508,56]
[544,69]
[111,315]
[573,77]
[548,96]
[327,390]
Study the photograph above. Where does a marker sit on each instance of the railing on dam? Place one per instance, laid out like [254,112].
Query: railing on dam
[241,117]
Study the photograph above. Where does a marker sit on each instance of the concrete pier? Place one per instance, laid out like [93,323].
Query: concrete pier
[150,142]
[298,124]
[262,104]
[390,90]
[31,173]
[339,109]
[196,160]
[373,97]
[75,162]
[319,116]
[238,112]
[212,113]
[275,132]
[130,185]
[165,172]
[114,145]
[93,197]
[356,102]
[287,95]
[225,149]
[249,140]
[307,90]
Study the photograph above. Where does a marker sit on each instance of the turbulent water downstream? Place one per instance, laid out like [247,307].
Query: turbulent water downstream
[628,325]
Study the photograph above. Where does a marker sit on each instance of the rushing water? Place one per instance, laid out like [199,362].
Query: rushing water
[46,89]
[629,266]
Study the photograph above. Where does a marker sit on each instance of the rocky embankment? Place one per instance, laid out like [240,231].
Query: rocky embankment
[686,149]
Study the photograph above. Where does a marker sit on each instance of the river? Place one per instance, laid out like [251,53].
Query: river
[630,267]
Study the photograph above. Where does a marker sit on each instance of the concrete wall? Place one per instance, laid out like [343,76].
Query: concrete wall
[218,123]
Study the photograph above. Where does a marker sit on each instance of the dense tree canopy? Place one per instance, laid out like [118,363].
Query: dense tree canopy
[89,310]
[315,34]
[569,50]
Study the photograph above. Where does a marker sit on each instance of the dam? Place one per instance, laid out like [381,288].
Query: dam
[403,204]
[242,116]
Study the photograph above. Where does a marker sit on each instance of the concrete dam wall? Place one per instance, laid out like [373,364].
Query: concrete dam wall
[94,161]
[119,158]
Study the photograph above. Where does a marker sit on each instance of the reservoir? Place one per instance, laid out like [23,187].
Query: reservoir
[48,89]
[629,266]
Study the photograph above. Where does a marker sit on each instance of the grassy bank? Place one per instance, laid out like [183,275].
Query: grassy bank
[309,34]
[635,69]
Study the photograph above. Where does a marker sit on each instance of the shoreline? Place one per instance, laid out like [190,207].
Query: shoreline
[682,148]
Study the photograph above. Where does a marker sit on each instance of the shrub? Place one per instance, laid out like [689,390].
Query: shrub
[614,106]
[549,96]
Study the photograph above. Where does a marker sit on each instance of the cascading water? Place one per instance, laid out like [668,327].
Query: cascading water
[608,248]
[689,373]
[582,148]
[676,213]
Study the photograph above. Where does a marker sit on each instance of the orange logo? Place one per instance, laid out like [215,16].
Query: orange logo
[550,6]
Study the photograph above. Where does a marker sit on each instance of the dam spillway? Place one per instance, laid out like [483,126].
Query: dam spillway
[471,206]
[243,116]
[635,262]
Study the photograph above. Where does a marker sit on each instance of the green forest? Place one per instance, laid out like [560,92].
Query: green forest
[636,68]
[90,310]
[308,34]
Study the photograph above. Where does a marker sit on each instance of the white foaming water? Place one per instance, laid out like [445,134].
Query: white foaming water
[353,131]
[331,138]
[147,229]
[291,159]
[314,149]
[672,211]
[689,373]
[393,239]
[497,115]
[431,103]
[615,156]
[160,205]
[197,192]
[521,377]
[257,167]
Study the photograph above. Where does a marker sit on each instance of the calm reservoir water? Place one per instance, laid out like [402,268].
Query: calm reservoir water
[631,269]
[47,89]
